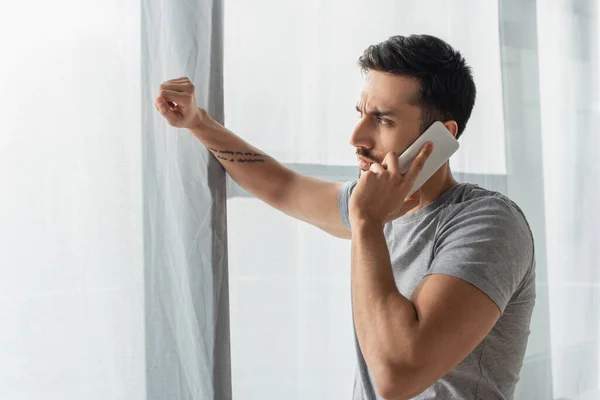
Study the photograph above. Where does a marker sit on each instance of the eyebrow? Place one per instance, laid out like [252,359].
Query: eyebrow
[377,113]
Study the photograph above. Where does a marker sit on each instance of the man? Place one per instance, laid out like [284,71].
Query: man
[442,282]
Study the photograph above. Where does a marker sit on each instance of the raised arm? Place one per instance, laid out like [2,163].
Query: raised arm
[305,198]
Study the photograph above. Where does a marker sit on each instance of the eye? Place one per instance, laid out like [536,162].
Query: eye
[381,121]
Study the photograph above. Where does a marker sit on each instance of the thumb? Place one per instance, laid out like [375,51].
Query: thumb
[162,106]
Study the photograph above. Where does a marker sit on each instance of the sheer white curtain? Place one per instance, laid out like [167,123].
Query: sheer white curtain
[71,256]
[113,263]
[569,51]
[185,237]
[291,83]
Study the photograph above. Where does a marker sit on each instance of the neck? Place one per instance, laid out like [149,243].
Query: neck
[438,184]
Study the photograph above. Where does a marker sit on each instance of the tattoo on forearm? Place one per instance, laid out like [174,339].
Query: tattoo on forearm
[238,156]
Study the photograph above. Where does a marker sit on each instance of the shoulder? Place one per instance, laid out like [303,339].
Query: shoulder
[481,213]
[484,238]
[474,202]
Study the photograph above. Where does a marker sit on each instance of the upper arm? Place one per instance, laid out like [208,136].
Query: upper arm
[454,317]
[315,201]
[481,258]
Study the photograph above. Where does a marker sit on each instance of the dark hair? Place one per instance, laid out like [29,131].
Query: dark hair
[447,86]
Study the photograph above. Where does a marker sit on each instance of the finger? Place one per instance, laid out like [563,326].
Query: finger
[390,162]
[377,168]
[171,95]
[417,165]
[186,87]
[167,108]
[181,79]
[162,106]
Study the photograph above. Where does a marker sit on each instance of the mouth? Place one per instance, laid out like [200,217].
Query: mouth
[364,164]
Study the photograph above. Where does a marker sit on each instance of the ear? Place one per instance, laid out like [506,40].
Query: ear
[452,126]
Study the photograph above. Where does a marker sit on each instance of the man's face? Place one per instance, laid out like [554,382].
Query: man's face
[389,118]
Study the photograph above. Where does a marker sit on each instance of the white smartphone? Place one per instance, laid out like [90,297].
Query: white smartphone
[444,146]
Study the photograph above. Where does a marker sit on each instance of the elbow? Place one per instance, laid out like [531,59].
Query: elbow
[404,373]
[398,382]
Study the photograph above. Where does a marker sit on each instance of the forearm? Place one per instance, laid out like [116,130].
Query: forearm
[386,322]
[251,168]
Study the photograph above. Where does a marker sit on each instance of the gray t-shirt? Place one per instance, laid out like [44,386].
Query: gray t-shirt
[482,237]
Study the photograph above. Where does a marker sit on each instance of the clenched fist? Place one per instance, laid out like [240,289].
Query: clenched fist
[176,102]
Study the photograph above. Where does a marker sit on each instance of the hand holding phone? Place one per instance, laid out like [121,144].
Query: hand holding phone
[444,146]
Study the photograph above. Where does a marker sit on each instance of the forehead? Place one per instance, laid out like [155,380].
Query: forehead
[383,90]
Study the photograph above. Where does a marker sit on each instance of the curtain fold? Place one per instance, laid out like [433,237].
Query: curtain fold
[186,282]
[525,175]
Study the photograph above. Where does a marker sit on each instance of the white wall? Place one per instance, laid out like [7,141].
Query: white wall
[71,288]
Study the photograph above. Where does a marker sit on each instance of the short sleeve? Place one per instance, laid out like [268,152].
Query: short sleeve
[344,200]
[488,243]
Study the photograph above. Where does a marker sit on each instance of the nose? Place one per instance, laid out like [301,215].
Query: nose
[362,135]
